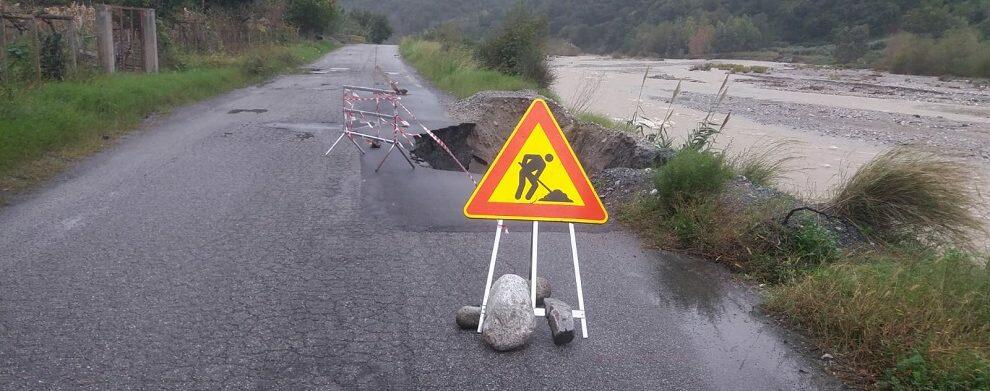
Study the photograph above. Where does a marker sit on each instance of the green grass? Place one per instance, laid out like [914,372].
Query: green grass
[605,121]
[599,119]
[691,176]
[44,127]
[733,68]
[454,70]
[910,319]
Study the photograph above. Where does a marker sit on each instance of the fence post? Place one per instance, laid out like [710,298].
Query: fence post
[104,37]
[149,38]
[37,50]
[3,48]
[73,44]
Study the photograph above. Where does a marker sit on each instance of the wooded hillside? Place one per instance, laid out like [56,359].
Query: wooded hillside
[672,27]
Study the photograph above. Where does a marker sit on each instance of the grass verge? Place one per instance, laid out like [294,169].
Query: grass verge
[453,69]
[46,127]
[916,320]
[906,313]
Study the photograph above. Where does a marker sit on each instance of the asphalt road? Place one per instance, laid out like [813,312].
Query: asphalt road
[219,250]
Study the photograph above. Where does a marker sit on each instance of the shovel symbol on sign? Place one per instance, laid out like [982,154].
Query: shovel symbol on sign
[532,168]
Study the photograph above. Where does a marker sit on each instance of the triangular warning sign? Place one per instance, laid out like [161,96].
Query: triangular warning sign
[536,176]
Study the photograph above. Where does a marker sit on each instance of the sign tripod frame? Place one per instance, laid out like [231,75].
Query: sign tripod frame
[576,314]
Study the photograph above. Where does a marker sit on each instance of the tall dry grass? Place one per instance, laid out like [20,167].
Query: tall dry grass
[906,193]
[763,164]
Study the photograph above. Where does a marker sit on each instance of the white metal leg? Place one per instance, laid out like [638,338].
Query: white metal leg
[577,281]
[532,270]
[491,272]
[334,144]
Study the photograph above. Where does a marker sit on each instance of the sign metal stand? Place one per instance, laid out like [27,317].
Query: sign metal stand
[576,314]
[539,147]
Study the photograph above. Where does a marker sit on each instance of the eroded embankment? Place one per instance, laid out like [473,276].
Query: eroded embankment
[489,117]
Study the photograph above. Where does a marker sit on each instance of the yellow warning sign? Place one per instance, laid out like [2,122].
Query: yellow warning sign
[536,176]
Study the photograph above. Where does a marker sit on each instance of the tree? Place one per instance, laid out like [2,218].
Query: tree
[701,41]
[738,33]
[374,27]
[929,20]
[850,43]
[313,17]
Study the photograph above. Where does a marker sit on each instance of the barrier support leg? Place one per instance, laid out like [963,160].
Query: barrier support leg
[491,273]
[532,270]
[334,145]
[402,150]
[577,282]
[389,152]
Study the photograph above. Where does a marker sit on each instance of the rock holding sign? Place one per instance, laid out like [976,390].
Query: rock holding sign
[509,319]
[468,317]
[560,320]
[543,290]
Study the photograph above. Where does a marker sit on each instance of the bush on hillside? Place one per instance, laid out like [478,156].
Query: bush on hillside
[959,52]
[519,47]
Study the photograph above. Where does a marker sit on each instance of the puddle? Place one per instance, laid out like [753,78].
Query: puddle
[320,71]
[304,126]
[256,111]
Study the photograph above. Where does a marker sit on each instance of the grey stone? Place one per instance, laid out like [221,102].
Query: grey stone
[468,317]
[560,320]
[543,290]
[509,319]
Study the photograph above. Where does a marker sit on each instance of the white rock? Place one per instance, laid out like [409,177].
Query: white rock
[509,319]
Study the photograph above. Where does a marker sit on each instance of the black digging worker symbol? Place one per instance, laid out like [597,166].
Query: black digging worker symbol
[532,167]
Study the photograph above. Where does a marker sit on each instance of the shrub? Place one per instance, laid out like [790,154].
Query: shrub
[959,52]
[519,47]
[733,68]
[53,61]
[691,176]
[906,194]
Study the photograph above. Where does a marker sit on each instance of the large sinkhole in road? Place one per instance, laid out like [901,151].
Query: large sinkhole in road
[456,138]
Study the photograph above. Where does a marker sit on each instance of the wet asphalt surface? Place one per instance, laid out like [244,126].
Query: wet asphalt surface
[216,248]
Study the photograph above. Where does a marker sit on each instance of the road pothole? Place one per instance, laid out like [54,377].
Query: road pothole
[256,111]
[322,71]
[456,139]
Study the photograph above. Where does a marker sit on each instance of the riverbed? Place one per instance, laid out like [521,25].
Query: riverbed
[832,121]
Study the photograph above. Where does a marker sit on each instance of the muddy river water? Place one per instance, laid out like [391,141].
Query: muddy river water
[832,121]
